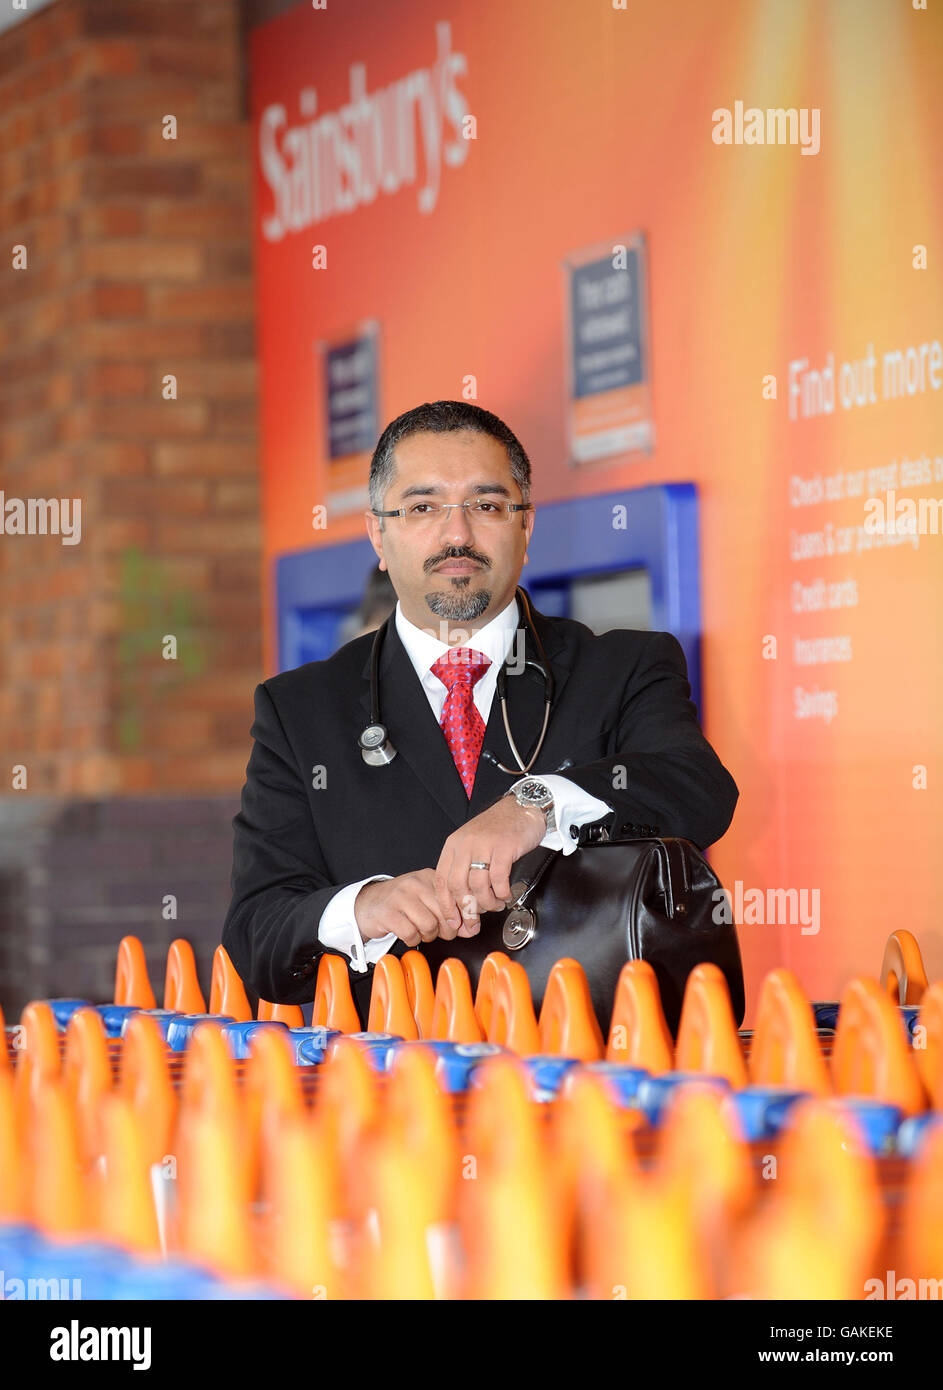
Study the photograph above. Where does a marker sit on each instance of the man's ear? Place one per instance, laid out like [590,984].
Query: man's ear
[375,535]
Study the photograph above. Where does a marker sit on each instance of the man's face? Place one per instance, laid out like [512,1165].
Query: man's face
[454,568]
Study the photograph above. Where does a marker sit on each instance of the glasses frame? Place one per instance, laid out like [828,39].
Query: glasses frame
[510,508]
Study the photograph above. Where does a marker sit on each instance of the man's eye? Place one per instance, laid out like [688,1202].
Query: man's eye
[421,508]
[487,507]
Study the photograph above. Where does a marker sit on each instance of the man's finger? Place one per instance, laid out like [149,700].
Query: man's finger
[424,918]
[501,863]
[480,883]
[449,910]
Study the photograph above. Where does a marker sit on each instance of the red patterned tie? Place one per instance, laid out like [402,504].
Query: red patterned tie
[458,670]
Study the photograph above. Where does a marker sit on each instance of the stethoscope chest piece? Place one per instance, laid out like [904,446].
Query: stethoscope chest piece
[375,746]
[520,927]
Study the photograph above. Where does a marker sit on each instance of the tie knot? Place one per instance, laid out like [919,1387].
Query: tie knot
[460,666]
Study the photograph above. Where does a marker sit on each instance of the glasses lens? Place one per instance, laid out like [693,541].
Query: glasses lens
[489,512]
[483,511]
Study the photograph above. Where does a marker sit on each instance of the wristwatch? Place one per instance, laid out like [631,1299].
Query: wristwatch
[533,793]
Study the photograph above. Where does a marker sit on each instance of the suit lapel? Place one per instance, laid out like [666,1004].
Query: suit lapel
[416,735]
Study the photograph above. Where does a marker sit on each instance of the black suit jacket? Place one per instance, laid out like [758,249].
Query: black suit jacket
[315,817]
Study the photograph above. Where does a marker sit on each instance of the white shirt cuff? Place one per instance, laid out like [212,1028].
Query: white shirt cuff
[338,928]
[571,806]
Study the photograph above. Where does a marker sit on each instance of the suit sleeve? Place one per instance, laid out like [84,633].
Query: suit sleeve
[280,885]
[664,777]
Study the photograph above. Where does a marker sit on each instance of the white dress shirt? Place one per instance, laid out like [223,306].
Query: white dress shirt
[571,804]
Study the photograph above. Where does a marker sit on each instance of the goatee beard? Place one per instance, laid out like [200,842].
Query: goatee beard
[456,606]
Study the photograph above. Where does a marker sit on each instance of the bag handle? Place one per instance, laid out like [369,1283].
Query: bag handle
[526,885]
[541,858]
[675,874]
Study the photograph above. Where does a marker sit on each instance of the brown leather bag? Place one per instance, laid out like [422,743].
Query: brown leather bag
[616,900]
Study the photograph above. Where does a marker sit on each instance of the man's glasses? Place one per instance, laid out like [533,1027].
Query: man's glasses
[477,510]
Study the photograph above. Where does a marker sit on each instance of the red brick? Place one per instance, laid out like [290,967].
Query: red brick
[220,101]
[218,534]
[46,661]
[220,380]
[112,459]
[65,148]
[23,364]
[208,458]
[218,303]
[239,495]
[145,98]
[33,283]
[59,391]
[107,342]
[137,179]
[117,379]
[16,170]
[51,235]
[203,219]
[61,111]
[186,56]
[211,772]
[160,420]
[116,18]
[196,139]
[230,340]
[42,321]
[64,22]
[20,401]
[143,260]
[236,418]
[43,198]
[13,51]
[115,139]
[114,534]
[110,220]
[180,497]
[23,126]
[28,436]
[194,734]
[96,774]
[108,58]
[232,262]
[228,178]
[40,79]
[233,612]
[79,423]
[108,302]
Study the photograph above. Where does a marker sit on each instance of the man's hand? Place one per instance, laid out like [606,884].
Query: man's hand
[497,837]
[410,907]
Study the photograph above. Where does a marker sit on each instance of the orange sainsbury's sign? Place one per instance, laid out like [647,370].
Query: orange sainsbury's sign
[322,166]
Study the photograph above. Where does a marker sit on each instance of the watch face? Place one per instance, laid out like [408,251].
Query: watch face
[533,791]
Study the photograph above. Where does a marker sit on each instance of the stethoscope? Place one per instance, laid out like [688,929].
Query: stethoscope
[375,746]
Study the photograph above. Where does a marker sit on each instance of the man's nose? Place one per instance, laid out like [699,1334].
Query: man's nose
[457,530]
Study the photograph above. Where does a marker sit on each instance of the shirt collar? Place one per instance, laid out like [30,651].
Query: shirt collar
[493,640]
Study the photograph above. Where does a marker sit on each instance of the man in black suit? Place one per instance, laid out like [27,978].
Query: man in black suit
[331,853]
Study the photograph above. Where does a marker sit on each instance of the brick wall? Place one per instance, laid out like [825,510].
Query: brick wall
[138,266]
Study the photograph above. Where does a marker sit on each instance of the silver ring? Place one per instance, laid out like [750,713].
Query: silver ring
[475,864]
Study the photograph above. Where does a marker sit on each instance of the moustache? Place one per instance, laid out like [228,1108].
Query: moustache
[457,555]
